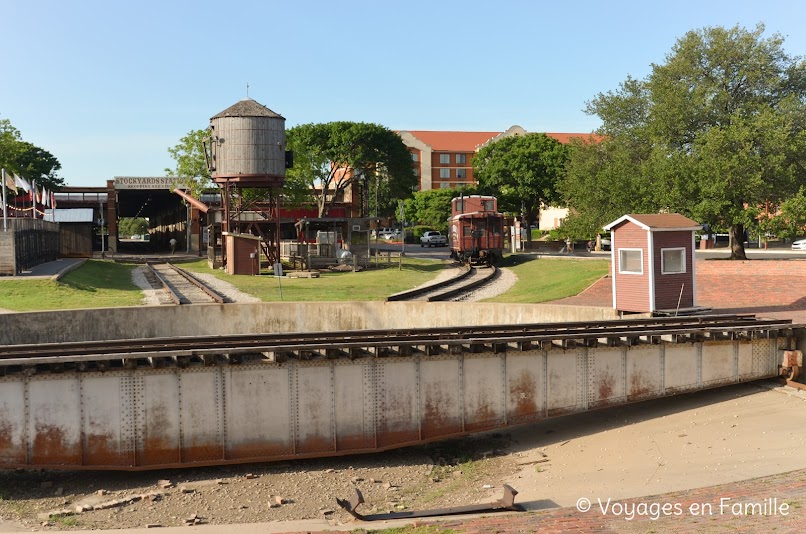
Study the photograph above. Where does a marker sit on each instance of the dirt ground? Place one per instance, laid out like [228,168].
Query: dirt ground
[444,474]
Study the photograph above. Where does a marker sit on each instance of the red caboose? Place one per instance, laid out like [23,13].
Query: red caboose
[476,229]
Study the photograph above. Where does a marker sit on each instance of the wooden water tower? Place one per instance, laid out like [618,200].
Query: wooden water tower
[247,149]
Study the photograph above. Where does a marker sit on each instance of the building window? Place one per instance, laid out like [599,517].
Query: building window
[461,173]
[444,185]
[672,260]
[445,159]
[415,157]
[444,173]
[461,159]
[631,261]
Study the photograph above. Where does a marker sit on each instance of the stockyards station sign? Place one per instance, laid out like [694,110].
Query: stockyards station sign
[146,182]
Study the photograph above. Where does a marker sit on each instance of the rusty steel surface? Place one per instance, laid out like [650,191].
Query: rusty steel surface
[158,403]
[505,504]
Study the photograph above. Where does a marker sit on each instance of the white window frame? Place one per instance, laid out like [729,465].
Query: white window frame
[663,251]
[415,156]
[621,262]
[461,159]
[445,174]
[461,174]
[444,159]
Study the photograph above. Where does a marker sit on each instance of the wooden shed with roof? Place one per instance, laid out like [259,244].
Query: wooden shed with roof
[652,259]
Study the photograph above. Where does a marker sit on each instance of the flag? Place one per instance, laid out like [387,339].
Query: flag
[45,198]
[53,200]
[22,183]
[10,182]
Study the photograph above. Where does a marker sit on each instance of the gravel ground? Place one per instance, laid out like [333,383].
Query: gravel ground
[502,283]
[154,295]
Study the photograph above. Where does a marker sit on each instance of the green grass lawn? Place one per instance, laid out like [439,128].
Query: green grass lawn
[99,284]
[96,284]
[371,284]
[545,279]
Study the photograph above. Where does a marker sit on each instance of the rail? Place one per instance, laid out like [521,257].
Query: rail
[177,296]
[470,279]
[354,344]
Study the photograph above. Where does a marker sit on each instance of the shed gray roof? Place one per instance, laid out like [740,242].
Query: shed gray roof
[73,215]
[247,108]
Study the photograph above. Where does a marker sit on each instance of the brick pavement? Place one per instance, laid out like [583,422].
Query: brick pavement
[768,288]
[775,503]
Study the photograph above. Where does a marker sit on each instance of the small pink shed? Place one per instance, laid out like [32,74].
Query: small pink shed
[652,259]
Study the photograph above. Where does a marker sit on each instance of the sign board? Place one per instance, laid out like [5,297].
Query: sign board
[145,182]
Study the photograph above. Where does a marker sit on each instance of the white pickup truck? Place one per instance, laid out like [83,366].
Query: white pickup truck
[433,239]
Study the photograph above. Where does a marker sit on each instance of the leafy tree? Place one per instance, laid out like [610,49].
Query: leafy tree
[522,171]
[790,221]
[27,159]
[717,129]
[603,182]
[433,207]
[191,169]
[129,226]
[333,157]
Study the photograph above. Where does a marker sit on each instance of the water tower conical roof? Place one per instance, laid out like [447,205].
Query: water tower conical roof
[247,108]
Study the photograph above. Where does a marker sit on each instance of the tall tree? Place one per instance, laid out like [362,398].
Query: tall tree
[522,171]
[333,157]
[717,128]
[191,164]
[27,159]
[433,207]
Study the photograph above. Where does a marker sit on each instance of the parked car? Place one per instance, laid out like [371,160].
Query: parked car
[381,233]
[800,244]
[432,238]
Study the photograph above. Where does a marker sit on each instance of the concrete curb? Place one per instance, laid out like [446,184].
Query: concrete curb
[56,277]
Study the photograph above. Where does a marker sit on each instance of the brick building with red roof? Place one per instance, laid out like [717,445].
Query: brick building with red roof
[444,159]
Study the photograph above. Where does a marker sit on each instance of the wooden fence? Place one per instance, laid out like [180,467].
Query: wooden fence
[26,243]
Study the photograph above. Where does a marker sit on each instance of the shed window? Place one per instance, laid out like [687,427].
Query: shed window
[631,261]
[672,260]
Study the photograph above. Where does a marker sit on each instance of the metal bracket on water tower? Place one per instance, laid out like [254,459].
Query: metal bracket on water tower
[504,504]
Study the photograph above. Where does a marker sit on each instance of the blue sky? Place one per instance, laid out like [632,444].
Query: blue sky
[108,86]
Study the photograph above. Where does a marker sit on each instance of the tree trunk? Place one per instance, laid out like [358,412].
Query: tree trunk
[737,242]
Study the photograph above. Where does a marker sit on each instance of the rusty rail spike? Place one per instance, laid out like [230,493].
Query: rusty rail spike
[505,503]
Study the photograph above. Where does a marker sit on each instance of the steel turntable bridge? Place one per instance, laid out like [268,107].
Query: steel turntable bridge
[217,399]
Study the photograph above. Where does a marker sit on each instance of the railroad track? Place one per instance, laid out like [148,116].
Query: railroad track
[182,287]
[455,289]
[206,350]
